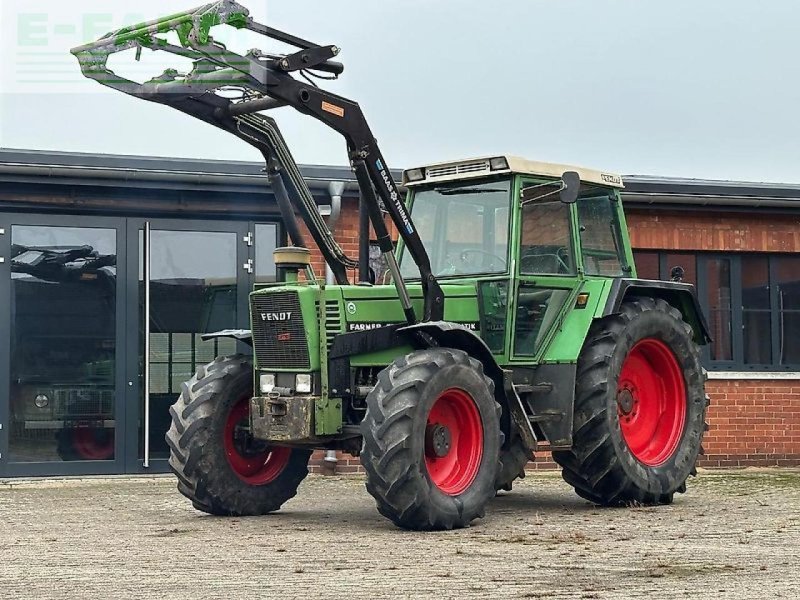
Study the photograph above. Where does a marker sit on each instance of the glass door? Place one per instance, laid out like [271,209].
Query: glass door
[193,278]
[61,317]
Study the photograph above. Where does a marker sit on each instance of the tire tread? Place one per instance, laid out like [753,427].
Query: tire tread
[592,466]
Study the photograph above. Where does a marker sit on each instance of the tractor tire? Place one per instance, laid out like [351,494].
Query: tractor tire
[85,443]
[432,440]
[219,467]
[640,407]
[512,464]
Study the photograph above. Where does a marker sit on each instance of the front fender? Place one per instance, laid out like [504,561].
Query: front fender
[243,335]
[453,335]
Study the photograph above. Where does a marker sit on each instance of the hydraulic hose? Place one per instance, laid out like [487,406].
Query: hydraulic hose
[269,128]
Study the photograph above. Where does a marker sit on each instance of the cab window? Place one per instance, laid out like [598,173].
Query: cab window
[599,234]
[464,227]
[545,244]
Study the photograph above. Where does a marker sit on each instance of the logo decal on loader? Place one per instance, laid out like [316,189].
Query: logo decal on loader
[401,210]
[333,109]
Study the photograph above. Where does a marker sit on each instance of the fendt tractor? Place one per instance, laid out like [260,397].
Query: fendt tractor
[514,316]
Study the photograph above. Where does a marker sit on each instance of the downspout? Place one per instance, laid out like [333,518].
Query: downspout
[363,242]
[335,189]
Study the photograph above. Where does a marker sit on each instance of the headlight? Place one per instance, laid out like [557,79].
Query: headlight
[41,401]
[415,175]
[303,383]
[266,382]
[499,163]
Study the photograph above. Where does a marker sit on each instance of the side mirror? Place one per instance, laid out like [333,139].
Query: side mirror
[567,188]
[572,186]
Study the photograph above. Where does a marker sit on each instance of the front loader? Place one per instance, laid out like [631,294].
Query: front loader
[514,317]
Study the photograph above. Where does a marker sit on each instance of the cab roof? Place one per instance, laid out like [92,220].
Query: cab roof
[495,165]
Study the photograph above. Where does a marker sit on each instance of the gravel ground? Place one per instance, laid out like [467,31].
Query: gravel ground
[733,535]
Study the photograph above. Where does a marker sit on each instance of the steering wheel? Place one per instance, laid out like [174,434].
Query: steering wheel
[463,255]
[563,267]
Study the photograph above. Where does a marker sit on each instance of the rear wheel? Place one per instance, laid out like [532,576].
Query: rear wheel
[640,407]
[431,440]
[220,467]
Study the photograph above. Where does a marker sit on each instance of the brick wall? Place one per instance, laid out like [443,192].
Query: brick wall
[752,423]
[751,232]
[345,465]
[346,235]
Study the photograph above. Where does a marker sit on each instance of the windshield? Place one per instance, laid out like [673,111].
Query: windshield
[464,227]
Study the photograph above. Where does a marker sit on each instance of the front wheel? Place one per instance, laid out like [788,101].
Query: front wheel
[220,467]
[432,440]
[640,407]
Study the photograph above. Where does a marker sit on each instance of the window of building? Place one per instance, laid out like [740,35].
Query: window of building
[719,307]
[756,311]
[751,302]
[786,271]
[647,265]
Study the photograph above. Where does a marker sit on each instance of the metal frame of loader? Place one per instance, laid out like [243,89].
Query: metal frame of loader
[267,83]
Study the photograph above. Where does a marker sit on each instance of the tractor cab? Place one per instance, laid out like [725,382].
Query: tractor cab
[505,215]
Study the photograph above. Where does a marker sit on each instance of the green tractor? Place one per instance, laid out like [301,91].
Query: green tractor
[514,317]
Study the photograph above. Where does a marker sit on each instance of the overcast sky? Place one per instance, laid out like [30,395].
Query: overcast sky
[675,87]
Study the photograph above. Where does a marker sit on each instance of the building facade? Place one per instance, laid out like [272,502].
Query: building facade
[739,244]
[114,266]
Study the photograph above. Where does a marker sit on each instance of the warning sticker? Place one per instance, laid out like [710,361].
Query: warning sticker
[333,109]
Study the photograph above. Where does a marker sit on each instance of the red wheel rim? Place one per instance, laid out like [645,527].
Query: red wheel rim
[89,444]
[453,466]
[252,467]
[651,402]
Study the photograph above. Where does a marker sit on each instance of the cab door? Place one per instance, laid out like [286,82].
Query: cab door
[563,249]
[548,273]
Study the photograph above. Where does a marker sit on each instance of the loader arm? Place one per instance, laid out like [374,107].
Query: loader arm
[265,82]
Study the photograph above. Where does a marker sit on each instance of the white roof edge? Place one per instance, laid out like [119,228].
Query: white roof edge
[524,166]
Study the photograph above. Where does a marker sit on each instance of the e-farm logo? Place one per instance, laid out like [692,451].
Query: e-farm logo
[36,38]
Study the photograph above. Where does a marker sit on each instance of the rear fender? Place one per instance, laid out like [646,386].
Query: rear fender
[680,295]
